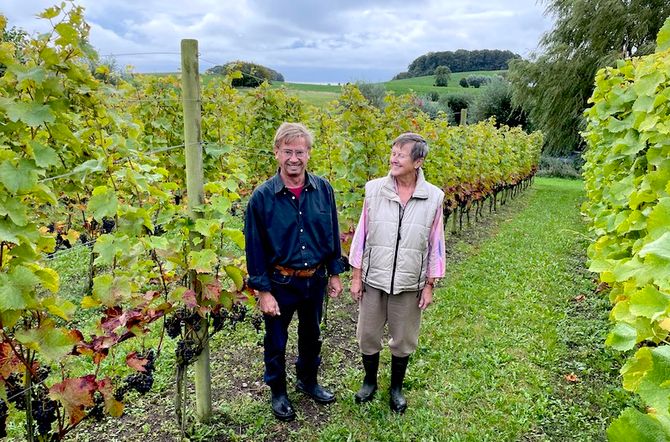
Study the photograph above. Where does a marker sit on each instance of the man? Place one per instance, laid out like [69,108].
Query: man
[397,254]
[293,252]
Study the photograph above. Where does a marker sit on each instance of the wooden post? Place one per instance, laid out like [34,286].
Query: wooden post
[190,81]
[464,116]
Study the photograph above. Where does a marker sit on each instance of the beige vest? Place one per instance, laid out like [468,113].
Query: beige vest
[396,245]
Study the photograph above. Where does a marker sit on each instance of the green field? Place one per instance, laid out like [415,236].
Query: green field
[321,94]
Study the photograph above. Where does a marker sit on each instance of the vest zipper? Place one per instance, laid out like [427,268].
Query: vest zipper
[397,243]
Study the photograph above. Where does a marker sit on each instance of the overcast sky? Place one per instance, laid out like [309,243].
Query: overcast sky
[311,41]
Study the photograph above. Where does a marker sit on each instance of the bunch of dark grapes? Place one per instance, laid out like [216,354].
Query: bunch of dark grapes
[15,391]
[120,392]
[173,326]
[143,381]
[257,322]
[186,352]
[237,314]
[98,410]
[44,411]
[192,319]
[41,374]
[219,319]
[158,230]
[140,382]
[107,225]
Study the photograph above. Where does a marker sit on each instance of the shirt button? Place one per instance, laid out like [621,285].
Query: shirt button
[305,264]
[299,213]
[303,247]
[293,197]
[300,230]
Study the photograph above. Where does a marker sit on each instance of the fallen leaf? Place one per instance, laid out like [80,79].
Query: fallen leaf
[571,378]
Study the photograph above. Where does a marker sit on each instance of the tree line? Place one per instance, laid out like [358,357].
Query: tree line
[459,61]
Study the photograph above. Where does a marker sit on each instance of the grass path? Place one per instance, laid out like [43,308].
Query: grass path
[509,324]
[512,350]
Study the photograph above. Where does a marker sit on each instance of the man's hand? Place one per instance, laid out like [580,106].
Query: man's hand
[334,286]
[426,297]
[268,304]
[356,287]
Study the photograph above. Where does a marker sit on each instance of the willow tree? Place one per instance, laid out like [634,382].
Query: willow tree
[555,84]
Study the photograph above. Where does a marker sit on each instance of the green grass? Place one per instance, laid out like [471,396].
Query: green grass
[321,94]
[425,84]
[516,314]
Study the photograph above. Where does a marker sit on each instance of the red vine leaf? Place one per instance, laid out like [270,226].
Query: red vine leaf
[112,406]
[75,394]
[190,299]
[136,362]
[9,363]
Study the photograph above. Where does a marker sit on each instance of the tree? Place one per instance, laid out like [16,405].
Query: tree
[253,75]
[495,100]
[554,86]
[16,36]
[373,92]
[442,74]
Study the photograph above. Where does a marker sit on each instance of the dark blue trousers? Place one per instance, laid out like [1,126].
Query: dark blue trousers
[304,295]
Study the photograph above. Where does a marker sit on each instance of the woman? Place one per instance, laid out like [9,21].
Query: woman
[397,254]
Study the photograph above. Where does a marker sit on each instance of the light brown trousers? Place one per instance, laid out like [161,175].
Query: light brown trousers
[402,314]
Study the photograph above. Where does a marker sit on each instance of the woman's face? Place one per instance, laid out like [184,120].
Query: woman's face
[401,161]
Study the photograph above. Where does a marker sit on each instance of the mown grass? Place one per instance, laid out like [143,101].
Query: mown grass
[512,349]
[426,84]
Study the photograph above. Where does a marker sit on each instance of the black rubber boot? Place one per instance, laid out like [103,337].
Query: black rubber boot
[398,369]
[315,391]
[281,405]
[367,391]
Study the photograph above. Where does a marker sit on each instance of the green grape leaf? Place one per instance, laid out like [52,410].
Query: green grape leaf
[653,387]
[51,342]
[18,179]
[111,290]
[649,302]
[622,337]
[663,38]
[32,114]
[60,307]
[17,289]
[235,235]
[202,261]
[660,247]
[15,209]
[44,156]
[657,222]
[49,278]
[236,275]
[636,368]
[50,13]
[633,425]
[68,34]
[207,227]
[103,203]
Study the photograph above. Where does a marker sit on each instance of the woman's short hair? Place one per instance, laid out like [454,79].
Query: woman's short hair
[420,147]
[288,132]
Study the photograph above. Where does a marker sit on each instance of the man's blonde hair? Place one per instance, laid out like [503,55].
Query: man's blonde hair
[288,132]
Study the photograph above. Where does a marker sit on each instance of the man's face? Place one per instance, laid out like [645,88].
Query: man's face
[292,157]
[401,160]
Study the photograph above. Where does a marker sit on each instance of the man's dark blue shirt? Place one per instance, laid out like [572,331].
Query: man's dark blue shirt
[299,233]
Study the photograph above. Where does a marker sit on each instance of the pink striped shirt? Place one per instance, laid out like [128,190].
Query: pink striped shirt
[436,254]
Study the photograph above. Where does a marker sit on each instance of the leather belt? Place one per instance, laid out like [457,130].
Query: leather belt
[300,273]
